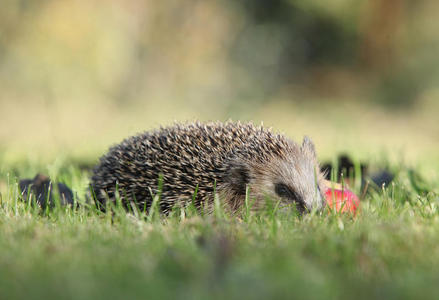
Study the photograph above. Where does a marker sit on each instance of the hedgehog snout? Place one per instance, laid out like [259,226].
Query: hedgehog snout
[316,202]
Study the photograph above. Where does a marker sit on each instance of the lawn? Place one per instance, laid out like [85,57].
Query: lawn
[389,250]
[358,77]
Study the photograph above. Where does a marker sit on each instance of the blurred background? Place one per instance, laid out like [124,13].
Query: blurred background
[77,76]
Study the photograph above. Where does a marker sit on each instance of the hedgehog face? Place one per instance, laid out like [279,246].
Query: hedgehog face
[291,179]
[296,177]
[296,180]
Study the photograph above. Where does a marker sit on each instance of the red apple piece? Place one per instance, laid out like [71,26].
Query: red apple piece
[341,198]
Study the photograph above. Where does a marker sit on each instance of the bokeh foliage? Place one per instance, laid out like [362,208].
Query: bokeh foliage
[79,75]
[223,50]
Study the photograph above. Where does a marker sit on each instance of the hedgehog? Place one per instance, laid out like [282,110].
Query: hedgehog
[195,162]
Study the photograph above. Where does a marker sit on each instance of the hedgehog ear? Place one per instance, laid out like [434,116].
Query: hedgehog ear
[239,178]
[308,146]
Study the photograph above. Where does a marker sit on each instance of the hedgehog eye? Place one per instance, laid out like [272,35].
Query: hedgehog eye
[282,190]
[285,192]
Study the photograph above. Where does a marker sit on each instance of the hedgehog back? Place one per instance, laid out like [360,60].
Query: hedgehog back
[188,157]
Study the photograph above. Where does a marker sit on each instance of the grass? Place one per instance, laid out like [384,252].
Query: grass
[390,250]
